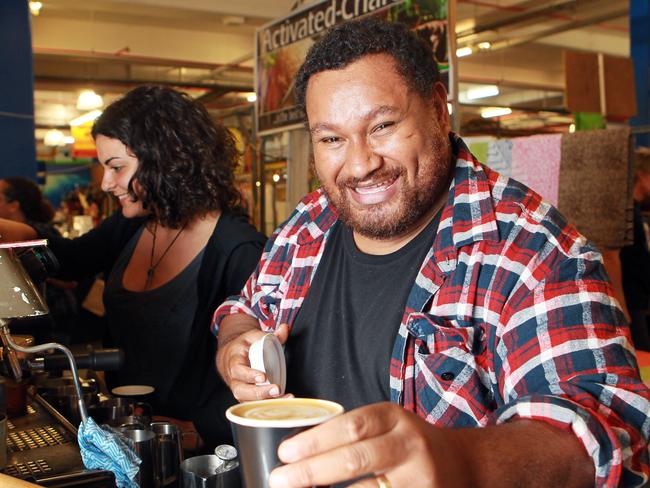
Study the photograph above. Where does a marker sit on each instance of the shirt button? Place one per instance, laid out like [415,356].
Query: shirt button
[448,376]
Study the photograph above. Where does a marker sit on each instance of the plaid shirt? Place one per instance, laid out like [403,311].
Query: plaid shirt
[511,316]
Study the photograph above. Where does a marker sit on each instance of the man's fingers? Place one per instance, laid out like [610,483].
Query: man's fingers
[245,392]
[363,423]
[377,454]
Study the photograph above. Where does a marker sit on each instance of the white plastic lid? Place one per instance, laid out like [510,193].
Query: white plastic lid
[267,355]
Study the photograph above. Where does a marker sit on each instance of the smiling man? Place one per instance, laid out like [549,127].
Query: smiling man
[470,332]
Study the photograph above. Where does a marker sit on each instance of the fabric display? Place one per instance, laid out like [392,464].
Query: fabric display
[587,175]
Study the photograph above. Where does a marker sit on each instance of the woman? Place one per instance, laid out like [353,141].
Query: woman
[180,245]
[21,200]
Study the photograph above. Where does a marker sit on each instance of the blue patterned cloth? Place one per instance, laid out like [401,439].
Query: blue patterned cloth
[104,448]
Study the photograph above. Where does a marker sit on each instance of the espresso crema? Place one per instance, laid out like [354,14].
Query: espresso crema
[298,411]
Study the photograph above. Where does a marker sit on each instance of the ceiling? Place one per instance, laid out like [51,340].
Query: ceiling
[206,47]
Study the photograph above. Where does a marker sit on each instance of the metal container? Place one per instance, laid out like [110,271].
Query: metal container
[64,399]
[209,472]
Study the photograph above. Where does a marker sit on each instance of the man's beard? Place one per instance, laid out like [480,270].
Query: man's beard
[404,210]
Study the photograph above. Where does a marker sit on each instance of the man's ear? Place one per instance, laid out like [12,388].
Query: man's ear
[439,100]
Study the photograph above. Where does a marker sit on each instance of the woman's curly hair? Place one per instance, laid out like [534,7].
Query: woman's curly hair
[186,161]
[350,41]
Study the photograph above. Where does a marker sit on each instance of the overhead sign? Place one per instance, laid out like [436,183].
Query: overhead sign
[282,46]
[84,144]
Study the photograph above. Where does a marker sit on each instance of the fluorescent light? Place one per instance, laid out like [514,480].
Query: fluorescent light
[87,117]
[53,138]
[251,96]
[482,91]
[489,112]
[484,46]
[89,100]
[463,51]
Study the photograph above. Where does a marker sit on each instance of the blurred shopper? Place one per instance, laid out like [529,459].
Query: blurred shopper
[180,245]
[635,259]
[21,200]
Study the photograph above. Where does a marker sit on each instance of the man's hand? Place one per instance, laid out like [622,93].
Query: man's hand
[381,438]
[236,335]
[384,439]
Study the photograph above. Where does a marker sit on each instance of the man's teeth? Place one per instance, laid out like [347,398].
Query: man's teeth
[366,190]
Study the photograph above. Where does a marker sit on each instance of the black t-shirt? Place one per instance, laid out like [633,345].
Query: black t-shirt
[342,339]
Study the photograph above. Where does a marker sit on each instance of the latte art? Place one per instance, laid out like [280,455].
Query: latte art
[286,412]
[283,412]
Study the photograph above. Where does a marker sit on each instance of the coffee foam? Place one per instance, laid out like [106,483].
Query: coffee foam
[282,412]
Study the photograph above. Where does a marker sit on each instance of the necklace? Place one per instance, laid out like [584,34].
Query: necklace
[152,265]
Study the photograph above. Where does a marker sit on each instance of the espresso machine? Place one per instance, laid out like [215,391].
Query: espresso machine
[38,444]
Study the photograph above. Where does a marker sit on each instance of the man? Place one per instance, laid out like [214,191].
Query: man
[418,276]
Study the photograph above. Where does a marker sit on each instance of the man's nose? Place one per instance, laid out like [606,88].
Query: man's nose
[361,159]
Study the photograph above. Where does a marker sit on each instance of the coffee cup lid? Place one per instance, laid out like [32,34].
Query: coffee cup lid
[267,355]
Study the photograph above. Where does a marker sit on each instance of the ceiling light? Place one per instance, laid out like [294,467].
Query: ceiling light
[489,112]
[250,96]
[482,91]
[463,51]
[35,8]
[484,46]
[276,178]
[53,138]
[89,100]
[87,117]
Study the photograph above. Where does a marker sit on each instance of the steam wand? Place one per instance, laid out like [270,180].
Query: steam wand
[8,342]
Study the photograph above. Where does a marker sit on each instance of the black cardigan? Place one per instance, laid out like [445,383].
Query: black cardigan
[230,256]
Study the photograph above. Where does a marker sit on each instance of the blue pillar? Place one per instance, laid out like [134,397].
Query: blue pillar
[640,50]
[17,146]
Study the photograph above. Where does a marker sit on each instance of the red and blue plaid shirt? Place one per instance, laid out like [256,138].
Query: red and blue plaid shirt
[511,316]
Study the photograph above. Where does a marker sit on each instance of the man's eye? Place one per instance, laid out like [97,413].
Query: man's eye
[382,126]
[330,140]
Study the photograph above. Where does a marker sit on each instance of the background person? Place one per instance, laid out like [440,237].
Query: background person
[180,244]
[21,200]
[635,259]
[417,275]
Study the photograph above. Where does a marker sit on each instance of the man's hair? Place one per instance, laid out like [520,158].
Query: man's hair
[28,195]
[350,41]
[186,161]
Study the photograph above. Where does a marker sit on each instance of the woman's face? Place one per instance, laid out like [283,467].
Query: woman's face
[119,167]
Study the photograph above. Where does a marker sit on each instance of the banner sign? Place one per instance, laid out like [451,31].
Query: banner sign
[281,47]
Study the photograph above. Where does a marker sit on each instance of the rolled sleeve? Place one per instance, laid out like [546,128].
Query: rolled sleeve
[565,358]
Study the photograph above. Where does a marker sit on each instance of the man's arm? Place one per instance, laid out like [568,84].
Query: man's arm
[386,439]
[236,334]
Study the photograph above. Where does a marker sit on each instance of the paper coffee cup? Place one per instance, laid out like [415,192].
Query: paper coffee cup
[259,427]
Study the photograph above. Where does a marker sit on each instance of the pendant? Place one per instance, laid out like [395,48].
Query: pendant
[150,273]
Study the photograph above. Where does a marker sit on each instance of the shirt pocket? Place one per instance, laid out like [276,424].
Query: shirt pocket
[452,384]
